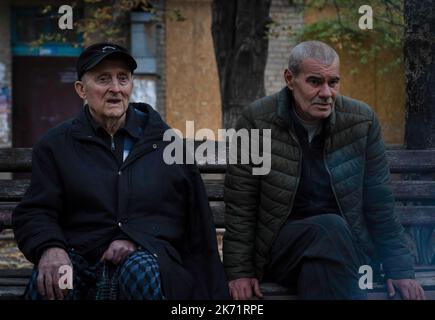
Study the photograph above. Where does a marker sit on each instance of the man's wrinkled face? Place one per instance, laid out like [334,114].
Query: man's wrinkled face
[314,89]
[107,88]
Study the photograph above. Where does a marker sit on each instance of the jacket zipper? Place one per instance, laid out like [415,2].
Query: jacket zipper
[330,180]
[131,159]
[112,143]
[294,194]
[299,174]
[93,140]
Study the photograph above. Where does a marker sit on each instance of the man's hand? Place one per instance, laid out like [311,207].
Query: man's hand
[118,250]
[48,272]
[241,289]
[409,289]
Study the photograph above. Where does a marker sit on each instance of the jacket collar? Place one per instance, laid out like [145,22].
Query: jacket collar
[131,123]
[145,123]
[285,102]
[284,106]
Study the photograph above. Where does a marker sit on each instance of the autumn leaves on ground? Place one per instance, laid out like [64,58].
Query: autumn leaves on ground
[10,256]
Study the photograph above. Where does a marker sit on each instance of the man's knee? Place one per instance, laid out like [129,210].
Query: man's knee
[324,279]
[333,240]
[139,277]
[140,263]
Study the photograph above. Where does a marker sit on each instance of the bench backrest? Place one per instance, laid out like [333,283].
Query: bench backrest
[413,175]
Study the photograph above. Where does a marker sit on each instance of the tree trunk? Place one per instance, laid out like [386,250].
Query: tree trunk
[420,74]
[420,98]
[240,42]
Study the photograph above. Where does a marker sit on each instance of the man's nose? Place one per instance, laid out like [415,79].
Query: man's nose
[325,91]
[115,86]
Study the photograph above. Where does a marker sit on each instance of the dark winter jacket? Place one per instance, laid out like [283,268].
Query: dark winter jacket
[79,199]
[354,156]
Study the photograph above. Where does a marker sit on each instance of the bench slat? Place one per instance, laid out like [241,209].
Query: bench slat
[402,190]
[5,214]
[410,215]
[416,215]
[8,282]
[15,273]
[15,159]
[13,190]
[14,286]
[426,279]
[400,160]
[413,190]
[7,293]
[407,161]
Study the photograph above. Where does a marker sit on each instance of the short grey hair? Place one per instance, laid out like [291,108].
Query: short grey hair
[316,50]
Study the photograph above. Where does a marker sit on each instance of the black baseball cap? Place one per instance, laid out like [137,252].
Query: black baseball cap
[97,52]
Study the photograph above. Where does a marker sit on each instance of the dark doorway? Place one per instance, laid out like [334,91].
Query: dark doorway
[43,96]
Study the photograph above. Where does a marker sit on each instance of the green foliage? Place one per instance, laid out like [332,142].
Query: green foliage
[276,29]
[176,15]
[103,20]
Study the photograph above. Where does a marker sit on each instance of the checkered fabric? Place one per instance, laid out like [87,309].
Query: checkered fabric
[139,278]
[136,278]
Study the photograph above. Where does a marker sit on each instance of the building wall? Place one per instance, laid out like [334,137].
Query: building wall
[384,93]
[6,103]
[6,61]
[161,66]
[192,83]
[279,43]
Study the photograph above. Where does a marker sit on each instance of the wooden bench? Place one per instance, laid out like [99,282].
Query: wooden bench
[413,183]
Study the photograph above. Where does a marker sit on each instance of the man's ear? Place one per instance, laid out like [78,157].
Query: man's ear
[289,77]
[80,89]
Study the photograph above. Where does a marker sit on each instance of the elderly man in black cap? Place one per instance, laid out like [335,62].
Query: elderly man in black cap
[103,202]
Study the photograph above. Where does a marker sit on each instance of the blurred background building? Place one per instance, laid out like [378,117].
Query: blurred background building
[177,72]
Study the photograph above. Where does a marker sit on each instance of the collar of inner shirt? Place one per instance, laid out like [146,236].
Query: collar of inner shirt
[131,125]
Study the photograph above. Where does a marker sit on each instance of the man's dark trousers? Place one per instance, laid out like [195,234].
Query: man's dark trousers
[317,257]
